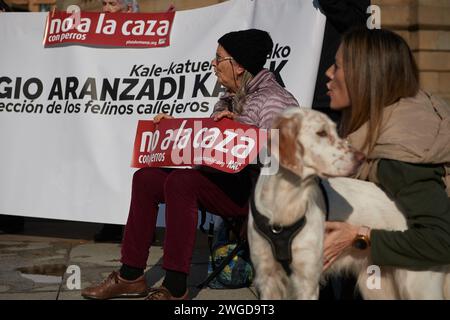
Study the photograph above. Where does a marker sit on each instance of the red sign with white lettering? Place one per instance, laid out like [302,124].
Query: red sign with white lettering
[109,29]
[225,145]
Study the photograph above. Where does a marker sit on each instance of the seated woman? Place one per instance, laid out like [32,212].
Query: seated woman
[253,97]
[405,134]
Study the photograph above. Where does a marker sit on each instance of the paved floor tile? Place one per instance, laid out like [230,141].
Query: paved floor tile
[29,296]
[34,266]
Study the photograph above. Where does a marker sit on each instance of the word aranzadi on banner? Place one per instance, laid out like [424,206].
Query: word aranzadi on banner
[157,88]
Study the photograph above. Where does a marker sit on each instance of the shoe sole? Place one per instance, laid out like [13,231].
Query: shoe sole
[123,295]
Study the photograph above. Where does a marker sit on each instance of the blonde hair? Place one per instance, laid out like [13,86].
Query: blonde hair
[379,70]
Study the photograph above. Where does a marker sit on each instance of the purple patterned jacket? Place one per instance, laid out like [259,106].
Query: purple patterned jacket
[264,101]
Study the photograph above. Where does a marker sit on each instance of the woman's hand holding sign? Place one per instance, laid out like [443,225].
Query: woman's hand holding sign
[224,114]
[217,117]
[161,116]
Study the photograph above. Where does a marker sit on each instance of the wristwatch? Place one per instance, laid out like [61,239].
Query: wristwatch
[362,240]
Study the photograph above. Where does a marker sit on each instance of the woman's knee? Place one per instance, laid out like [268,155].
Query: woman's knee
[145,175]
[182,180]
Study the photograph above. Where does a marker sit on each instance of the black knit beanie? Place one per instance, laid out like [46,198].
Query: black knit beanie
[249,48]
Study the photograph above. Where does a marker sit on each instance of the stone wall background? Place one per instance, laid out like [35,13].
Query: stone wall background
[425,24]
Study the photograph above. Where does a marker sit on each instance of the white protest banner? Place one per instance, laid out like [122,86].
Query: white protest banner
[68,115]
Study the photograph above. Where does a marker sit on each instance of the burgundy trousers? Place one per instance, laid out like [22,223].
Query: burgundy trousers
[182,190]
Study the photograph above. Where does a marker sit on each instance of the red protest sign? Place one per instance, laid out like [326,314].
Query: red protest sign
[225,145]
[109,29]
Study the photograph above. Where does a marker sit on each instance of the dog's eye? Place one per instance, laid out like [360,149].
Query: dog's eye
[322,133]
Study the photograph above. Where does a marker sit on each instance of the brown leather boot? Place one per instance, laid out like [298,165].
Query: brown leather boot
[162,293]
[116,287]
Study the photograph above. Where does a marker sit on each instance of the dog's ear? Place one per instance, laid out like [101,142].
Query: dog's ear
[289,151]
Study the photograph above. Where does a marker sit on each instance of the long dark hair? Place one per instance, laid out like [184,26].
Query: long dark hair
[379,70]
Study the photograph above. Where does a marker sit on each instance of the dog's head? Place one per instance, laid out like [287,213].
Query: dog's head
[309,145]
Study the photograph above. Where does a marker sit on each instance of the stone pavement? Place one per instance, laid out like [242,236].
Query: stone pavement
[34,264]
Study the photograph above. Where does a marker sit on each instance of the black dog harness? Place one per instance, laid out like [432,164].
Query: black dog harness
[280,237]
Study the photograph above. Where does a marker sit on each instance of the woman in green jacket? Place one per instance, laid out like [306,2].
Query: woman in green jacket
[405,134]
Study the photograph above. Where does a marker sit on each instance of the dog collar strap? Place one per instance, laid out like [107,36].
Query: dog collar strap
[279,237]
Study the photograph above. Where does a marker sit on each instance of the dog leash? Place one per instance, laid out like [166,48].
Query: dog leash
[325,197]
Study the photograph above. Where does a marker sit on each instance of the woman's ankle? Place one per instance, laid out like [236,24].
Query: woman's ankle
[130,273]
[176,283]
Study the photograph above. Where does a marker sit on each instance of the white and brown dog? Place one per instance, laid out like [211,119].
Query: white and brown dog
[288,213]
